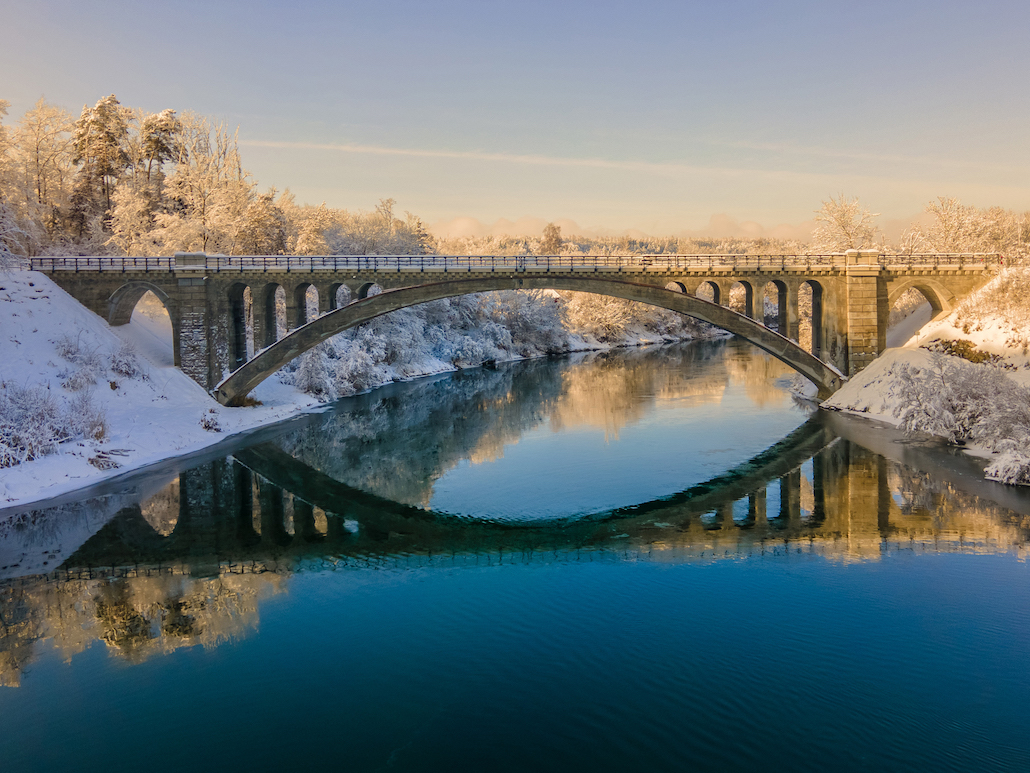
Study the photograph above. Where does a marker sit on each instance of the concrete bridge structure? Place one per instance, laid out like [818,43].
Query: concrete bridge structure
[229,333]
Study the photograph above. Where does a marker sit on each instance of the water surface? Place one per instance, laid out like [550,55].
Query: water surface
[650,560]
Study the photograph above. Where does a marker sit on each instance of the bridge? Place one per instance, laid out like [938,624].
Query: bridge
[228,334]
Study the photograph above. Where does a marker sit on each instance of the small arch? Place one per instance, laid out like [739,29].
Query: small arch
[241,323]
[339,296]
[709,291]
[273,309]
[910,309]
[123,300]
[742,298]
[676,287]
[810,317]
[305,299]
[941,300]
[369,289]
[774,306]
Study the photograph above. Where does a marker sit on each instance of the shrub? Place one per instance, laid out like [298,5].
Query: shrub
[125,362]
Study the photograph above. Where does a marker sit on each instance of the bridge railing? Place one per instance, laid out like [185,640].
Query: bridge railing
[738,263]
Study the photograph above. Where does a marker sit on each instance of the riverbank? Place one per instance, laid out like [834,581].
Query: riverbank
[62,367]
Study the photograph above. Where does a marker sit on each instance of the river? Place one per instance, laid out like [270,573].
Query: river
[648,559]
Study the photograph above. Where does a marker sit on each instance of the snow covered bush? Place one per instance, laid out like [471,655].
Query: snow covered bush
[125,362]
[32,423]
[87,361]
[964,403]
[1006,300]
[86,420]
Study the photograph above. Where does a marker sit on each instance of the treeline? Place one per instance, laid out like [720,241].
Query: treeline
[121,181]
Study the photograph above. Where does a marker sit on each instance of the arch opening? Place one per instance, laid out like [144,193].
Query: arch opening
[708,291]
[810,317]
[241,324]
[305,305]
[275,313]
[774,306]
[909,312]
[676,287]
[140,313]
[339,296]
[742,299]
[369,289]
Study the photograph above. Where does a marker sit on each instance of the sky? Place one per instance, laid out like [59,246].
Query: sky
[718,118]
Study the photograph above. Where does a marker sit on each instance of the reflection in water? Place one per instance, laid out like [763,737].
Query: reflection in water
[401,446]
[188,566]
[343,572]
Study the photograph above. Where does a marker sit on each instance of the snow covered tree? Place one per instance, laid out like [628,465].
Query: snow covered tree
[98,136]
[208,193]
[843,225]
[552,242]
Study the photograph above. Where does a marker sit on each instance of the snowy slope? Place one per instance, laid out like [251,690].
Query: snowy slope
[149,419]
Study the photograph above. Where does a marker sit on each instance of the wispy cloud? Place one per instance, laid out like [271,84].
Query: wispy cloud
[829,181]
[643,167]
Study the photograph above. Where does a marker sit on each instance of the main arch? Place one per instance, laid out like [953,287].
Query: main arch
[235,387]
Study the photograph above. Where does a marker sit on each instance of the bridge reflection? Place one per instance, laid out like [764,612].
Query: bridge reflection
[190,564]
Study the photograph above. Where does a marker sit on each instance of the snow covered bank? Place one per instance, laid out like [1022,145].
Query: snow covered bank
[980,399]
[156,414]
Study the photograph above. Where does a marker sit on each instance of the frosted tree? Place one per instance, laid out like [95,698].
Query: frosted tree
[552,241]
[153,141]
[264,227]
[843,224]
[45,150]
[208,193]
[99,135]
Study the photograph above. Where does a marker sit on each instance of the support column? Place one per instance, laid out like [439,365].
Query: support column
[867,309]
[192,325]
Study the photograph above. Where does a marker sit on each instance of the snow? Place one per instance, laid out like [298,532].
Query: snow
[149,419]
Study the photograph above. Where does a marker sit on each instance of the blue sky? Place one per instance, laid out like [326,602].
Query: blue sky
[654,116]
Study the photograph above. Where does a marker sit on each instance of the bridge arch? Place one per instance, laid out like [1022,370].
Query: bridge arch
[368,289]
[124,300]
[940,298]
[748,301]
[238,384]
[339,295]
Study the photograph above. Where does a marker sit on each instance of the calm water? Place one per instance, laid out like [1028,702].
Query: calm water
[651,560]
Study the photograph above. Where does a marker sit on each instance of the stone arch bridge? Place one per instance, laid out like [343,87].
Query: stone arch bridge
[229,334]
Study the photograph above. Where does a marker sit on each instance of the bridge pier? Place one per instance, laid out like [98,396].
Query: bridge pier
[867,309]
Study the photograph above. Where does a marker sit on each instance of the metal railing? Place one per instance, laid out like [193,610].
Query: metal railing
[502,263]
